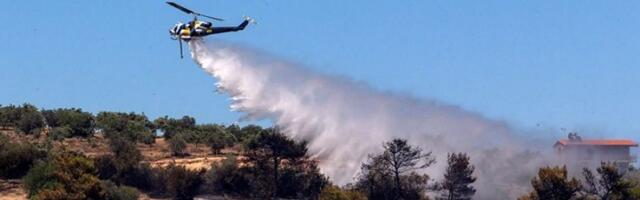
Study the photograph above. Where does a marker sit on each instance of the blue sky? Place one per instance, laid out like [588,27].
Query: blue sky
[535,64]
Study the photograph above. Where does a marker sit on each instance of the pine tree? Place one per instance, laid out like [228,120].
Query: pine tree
[457,178]
[553,183]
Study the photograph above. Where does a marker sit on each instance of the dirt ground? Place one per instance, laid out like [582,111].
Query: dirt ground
[11,190]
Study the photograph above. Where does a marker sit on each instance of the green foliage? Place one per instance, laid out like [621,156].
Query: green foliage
[458,178]
[17,158]
[247,133]
[282,168]
[31,122]
[25,118]
[131,126]
[80,123]
[59,133]
[229,177]
[66,175]
[333,192]
[126,153]
[177,144]
[634,193]
[148,138]
[180,183]
[391,175]
[553,183]
[608,185]
[9,116]
[171,126]
[114,192]
[216,137]
[39,177]
[124,167]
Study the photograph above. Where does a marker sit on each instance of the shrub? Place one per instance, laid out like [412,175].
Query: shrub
[181,183]
[59,133]
[336,193]
[228,177]
[79,123]
[107,167]
[31,122]
[177,144]
[114,192]
[17,158]
[65,175]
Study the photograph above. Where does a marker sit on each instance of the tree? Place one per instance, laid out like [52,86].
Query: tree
[171,126]
[26,118]
[177,144]
[391,175]
[246,133]
[282,168]
[553,183]
[404,158]
[126,153]
[457,178]
[9,116]
[272,147]
[80,123]
[609,185]
[148,138]
[132,126]
[218,141]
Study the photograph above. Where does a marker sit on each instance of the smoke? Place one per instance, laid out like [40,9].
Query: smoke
[344,120]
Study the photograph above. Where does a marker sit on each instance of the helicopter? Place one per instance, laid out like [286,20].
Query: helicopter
[197,29]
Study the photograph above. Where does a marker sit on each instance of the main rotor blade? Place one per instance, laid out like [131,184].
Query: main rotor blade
[186,10]
[214,18]
[179,7]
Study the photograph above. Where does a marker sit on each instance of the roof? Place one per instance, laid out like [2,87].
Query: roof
[566,142]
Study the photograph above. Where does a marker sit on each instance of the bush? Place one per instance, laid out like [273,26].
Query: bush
[107,167]
[131,126]
[26,118]
[79,123]
[17,158]
[177,144]
[228,177]
[114,192]
[59,133]
[9,116]
[31,122]
[181,183]
[336,193]
[171,126]
[65,175]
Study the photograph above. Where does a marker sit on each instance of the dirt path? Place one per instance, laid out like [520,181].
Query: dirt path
[11,190]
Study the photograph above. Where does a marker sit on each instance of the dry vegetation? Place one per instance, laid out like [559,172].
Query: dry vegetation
[157,154]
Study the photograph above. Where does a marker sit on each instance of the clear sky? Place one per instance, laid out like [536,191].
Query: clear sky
[535,64]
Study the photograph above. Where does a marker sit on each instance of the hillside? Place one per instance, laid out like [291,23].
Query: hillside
[157,154]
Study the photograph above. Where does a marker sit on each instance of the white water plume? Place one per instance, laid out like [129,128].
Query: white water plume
[344,120]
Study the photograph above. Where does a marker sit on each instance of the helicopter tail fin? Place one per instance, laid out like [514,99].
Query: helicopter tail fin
[243,25]
[246,22]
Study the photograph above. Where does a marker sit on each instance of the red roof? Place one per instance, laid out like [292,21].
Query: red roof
[566,142]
